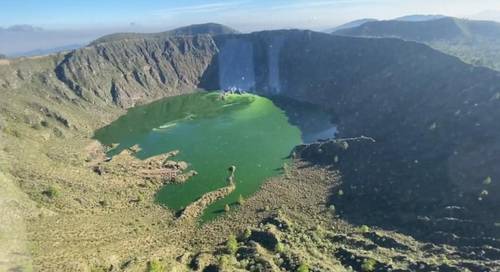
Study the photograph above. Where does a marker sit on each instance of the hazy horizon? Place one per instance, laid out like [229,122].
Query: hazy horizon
[63,23]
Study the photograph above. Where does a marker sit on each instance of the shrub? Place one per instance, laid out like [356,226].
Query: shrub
[368,265]
[140,198]
[303,268]
[487,181]
[224,262]
[241,200]
[280,248]
[156,266]
[247,233]
[51,192]
[227,208]
[231,244]
[364,228]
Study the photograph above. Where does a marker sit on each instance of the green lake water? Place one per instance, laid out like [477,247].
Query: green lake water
[247,131]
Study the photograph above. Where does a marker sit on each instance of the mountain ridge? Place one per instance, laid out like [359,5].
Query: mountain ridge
[195,29]
[475,42]
[350,24]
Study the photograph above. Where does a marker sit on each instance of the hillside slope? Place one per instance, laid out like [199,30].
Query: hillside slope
[475,42]
[351,24]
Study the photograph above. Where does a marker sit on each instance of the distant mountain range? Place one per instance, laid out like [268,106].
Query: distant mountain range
[351,24]
[20,40]
[408,18]
[419,18]
[21,28]
[475,42]
[196,29]
[47,51]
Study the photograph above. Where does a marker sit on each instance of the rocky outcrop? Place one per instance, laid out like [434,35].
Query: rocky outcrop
[127,72]
[157,170]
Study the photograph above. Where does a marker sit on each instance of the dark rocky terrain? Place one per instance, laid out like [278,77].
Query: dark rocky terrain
[431,171]
[475,42]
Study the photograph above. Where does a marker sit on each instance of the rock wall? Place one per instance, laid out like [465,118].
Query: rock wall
[433,118]
[127,72]
[236,64]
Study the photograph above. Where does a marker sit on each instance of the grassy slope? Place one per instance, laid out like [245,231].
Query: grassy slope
[475,42]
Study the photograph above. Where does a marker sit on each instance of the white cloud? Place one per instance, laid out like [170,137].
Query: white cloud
[200,8]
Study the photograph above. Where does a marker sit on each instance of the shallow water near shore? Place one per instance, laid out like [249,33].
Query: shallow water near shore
[247,131]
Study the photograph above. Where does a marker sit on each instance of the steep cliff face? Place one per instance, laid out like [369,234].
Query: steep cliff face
[126,72]
[432,116]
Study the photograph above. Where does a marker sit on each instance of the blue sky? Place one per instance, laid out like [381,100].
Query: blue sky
[77,22]
[60,14]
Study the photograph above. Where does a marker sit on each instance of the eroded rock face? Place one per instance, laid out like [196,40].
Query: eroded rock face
[126,72]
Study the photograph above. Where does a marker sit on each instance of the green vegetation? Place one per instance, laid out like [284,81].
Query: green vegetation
[231,244]
[224,262]
[241,200]
[368,265]
[487,181]
[364,229]
[247,233]
[303,268]
[51,192]
[227,208]
[156,266]
[280,248]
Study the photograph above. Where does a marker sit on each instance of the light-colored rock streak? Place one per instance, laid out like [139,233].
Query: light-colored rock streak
[273,62]
[236,65]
